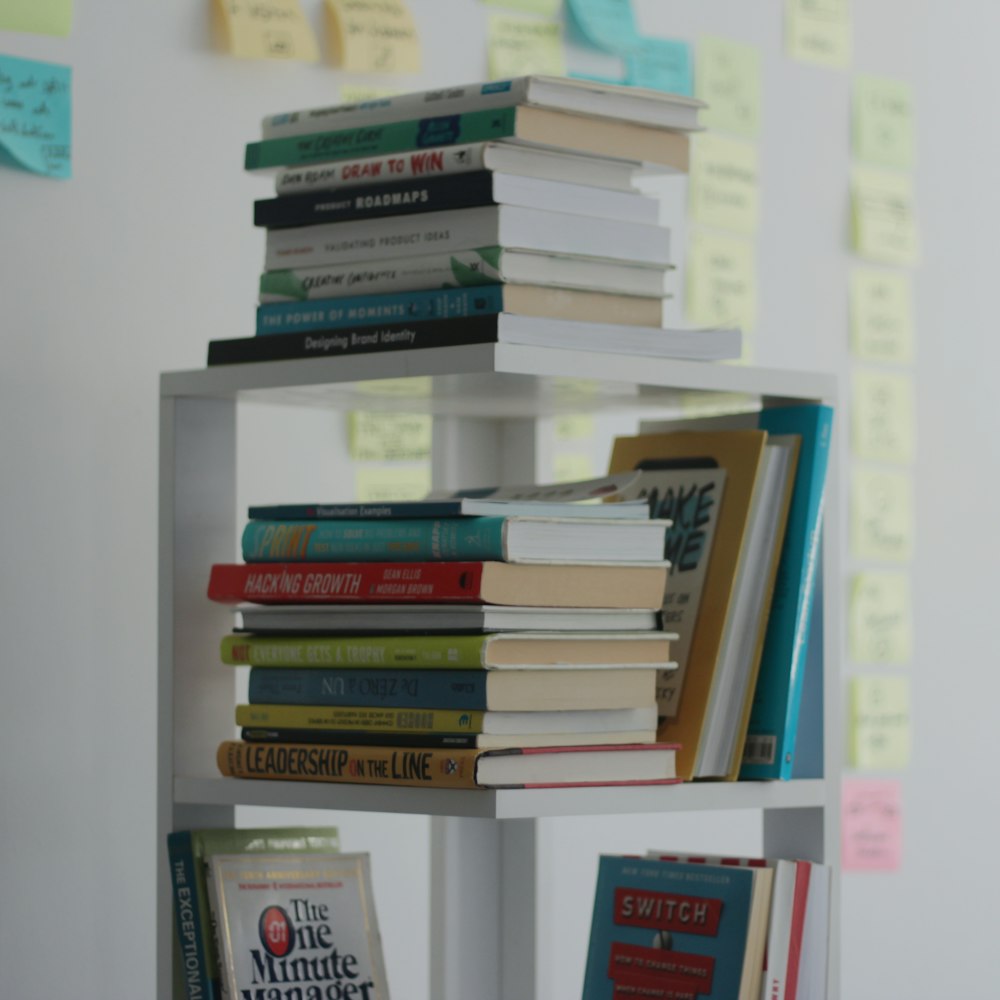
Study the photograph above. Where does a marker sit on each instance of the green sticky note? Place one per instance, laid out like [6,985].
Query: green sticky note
[377,437]
[881,514]
[574,427]
[519,46]
[727,78]
[819,31]
[879,735]
[883,217]
[880,618]
[882,122]
[606,24]
[377,484]
[723,183]
[882,316]
[721,281]
[547,7]
[36,116]
[40,17]
[661,64]
[882,421]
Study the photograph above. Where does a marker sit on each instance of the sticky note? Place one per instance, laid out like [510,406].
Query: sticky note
[880,618]
[883,217]
[882,421]
[418,387]
[723,183]
[879,721]
[574,427]
[570,466]
[819,31]
[882,316]
[36,116]
[40,17]
[521,45]
[727,78]
[375,437]
[373,36]
[379,484]
[548,7]
[661,64]
[714,404]
[721,281]
[352,93]
[871,825]
[881,514]
[882,122]
[266,29]
[606,24]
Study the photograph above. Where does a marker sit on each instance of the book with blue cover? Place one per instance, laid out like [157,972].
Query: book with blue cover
[675,930]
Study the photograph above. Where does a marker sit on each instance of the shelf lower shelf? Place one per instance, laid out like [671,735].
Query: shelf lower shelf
[504,803]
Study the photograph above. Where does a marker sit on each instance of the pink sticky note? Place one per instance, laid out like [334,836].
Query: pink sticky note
[871,825]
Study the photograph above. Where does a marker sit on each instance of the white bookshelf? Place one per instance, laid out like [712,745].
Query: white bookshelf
[485,400]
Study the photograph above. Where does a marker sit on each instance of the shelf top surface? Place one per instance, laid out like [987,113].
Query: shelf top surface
[491,379]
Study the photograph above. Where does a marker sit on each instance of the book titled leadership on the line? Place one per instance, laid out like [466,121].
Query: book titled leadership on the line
[298,925]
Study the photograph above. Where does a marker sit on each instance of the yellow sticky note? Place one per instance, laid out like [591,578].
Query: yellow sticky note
[373,36]
[881,515]
[378,484]
[574,427]
[882,420]
[882,316]
[418,387]
[883,217]
[880,618]
[548,7]
[570,466]
[40,17]
[521,45]
[266,29]
[879,736]
[715,404]
[355,93]
[882,122]
[723,183]
[721,281]
[376,437]
[819,31]
[727,78]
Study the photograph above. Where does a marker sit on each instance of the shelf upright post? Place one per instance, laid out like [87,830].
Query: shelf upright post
[195,694]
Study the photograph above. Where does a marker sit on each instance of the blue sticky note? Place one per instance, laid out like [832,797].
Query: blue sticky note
[606,24]
[661,64]
[35,116]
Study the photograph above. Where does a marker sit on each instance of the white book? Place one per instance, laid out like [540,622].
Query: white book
[633,104]
[439,270]
[465,229]
[501,156]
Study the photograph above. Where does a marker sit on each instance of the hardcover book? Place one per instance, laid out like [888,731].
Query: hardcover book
[300,925]
[661,926]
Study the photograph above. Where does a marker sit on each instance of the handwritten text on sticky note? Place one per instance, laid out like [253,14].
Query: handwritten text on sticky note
[519,46]
[882,123]
[373,36]
[36,116]
[727,78]
[879,738]
[883,217]
[882,420]
[819,31]
[721,281]
[723,183]
[880,618]
[871,825]
[881,514]
[376,437]
[882,315]
[266,29]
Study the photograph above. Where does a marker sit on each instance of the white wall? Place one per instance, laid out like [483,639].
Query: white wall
[148,252]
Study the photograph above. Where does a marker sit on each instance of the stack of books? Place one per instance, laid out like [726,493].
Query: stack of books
[518,211]
[463,643]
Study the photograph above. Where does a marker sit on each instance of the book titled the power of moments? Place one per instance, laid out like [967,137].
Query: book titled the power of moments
[299,926]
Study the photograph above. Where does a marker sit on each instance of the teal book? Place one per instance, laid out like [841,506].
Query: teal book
[770,748]
[389,137]
[196,949]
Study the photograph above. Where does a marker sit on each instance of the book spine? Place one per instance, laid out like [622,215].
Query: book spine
[432,194]
[446,652]
[333,583]
[361,288]
[775,713]
[390,137]
[349,243]
[381,687]
[356,718]
[339,314]
[359,737]
[446,768]
[474,97]
[443,161]
[358,339]
[193,935]
[409,540]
